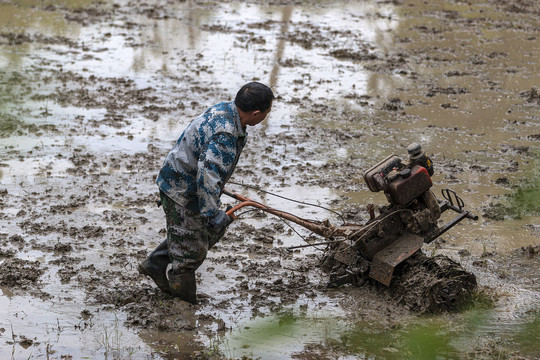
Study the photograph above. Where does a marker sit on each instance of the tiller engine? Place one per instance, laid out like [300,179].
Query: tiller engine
[374,249]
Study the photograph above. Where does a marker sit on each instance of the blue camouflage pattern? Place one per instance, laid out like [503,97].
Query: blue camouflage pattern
[203,158]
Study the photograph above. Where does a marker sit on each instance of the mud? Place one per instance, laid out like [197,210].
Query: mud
[93,95]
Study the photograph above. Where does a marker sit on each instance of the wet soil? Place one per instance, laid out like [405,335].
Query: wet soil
[83,139]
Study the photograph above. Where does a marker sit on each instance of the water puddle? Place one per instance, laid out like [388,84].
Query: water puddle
[33,328]
[428,338]
[93,95]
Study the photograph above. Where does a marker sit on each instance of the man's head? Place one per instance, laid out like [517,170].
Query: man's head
[254,100]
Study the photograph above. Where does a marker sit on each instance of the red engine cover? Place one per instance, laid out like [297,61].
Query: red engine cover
[405,190]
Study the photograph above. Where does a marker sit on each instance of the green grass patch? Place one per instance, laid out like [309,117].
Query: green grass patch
[523,200]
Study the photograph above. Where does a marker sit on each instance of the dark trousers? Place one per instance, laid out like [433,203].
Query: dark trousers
[188,237]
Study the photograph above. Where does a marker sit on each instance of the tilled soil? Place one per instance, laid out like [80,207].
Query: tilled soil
[89,213]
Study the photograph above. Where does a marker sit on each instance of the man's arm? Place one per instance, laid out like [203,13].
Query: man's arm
[214,166]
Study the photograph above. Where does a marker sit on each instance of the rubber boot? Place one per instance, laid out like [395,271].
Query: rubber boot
[155,266]
[183,286]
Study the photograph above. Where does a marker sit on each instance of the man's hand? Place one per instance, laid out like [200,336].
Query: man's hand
[221,219]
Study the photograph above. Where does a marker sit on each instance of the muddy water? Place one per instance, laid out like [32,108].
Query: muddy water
[92,97]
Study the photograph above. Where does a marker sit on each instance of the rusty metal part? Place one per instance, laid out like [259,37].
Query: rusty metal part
[384,241]
[315,244]
[346,255]
[371,209]
[374,176]
[409,186]
[378,234]
[432,204]
[448,204]
[385,261]
[310,225]
[324,229]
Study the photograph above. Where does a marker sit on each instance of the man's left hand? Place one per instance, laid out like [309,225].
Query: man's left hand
[221,219]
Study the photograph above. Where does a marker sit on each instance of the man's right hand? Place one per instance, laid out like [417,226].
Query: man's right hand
[221,219]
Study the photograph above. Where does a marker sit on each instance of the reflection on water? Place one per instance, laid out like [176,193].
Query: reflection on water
[445,337]
[286,331]
[429,338]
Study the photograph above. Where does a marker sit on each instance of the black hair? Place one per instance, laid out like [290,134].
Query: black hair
[254,96]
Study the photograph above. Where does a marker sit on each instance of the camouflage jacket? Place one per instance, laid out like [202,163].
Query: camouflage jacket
[203,158]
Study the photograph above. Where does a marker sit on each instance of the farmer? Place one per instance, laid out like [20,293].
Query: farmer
[190,183]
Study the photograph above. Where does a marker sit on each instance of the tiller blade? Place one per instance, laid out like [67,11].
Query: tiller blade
[385,261]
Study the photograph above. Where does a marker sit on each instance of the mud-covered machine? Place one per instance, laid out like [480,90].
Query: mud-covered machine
[373,250]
